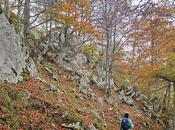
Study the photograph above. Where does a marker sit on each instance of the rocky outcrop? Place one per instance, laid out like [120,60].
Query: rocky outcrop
[71,58]
[14,61]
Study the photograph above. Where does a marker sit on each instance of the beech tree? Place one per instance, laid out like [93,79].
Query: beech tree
[71,14]
[112,18]
[26,20]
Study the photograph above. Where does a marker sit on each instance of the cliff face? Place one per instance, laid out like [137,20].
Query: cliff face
[13,58]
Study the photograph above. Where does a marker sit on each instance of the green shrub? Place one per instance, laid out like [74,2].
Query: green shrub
[90,51]
[22,96]
[36,106]
[13,20]
[72,118]
[13,122]
[6,100]
[88,48]
[98,124]
[25,74]
[38,33]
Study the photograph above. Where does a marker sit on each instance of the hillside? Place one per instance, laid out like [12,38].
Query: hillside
[87,64]
[44,103]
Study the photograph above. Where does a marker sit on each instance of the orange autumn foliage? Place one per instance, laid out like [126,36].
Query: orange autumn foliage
[152,44]
[73,14]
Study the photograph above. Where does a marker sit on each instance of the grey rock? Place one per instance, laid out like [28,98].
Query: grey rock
[101,101]
[53,72]
[84,81]
[32,68]
[67,62]
[76,77]
[91,127]
[54,89]
[42,80]
[141,97]
[94,79]
[48,70]
[81,58]
[128,100]
[75,126]
[102,84]
[13,58]
[111,100]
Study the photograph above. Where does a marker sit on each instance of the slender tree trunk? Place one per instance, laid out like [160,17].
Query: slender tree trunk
[0,8]
[47,17]
[107,33]
[19,13]
[6,7]
[107,64]
[51,22]
[167,94]
[26,20]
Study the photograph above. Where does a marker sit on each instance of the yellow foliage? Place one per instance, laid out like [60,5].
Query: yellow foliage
[167,9]
[72,14]
[1,1]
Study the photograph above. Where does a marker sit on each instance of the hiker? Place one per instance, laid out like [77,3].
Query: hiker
[126,123]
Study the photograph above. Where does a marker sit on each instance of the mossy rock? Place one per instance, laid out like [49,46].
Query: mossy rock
[72,118]
[12,17]
[90,51]
[36,106]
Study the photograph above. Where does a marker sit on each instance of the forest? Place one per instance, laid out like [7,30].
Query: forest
[82,64]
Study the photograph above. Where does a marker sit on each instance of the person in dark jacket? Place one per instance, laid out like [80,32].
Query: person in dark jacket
[128,122]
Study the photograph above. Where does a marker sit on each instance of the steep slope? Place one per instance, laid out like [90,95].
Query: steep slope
[45,103]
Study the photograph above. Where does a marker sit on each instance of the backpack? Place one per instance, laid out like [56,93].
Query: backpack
[125,124]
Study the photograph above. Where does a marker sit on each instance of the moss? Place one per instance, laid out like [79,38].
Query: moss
[13,20]
[72,118]
[40,33]
[13,122]
[22,97]
[166,73]
[98,124]
[25,74]
[6,100]
[90,51]
[1,10]
[36,105]
[49,66]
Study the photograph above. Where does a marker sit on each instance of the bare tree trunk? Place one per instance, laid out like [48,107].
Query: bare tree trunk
[19,10]
[107,31]
[26,20]
[6,7]
[167,94]
[51,22]
[47,17]
[0,8]
[107,65]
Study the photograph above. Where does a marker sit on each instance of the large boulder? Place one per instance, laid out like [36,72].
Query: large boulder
[14,61]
